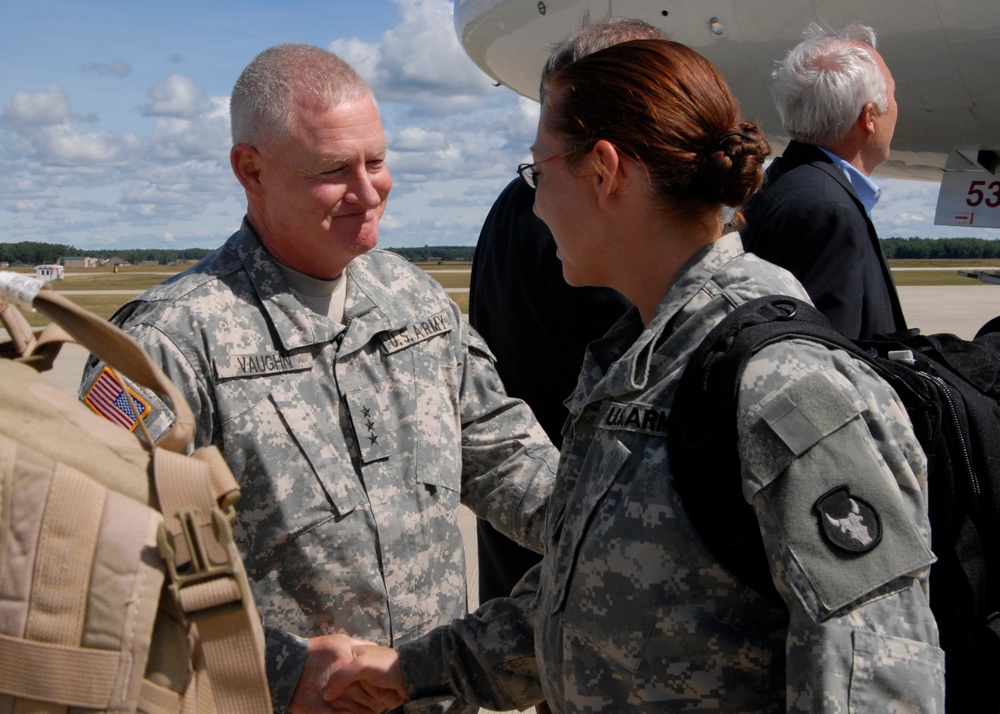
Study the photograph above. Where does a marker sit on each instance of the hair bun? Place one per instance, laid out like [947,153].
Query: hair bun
[735,165]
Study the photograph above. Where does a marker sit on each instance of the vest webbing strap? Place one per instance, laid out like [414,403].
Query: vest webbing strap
[60,584]
[73,676]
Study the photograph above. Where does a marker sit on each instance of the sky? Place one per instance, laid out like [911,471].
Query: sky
[114,129]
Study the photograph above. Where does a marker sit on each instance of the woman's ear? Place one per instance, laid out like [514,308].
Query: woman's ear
[609,168]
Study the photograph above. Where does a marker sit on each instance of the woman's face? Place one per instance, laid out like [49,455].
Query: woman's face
[565,201]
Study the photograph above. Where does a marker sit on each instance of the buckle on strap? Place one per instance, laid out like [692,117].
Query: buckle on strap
[204,579]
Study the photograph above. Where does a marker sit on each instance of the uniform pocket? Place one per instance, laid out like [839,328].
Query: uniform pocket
[621,553]
[892,673]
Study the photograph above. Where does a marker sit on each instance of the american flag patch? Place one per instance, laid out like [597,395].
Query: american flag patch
[109,398]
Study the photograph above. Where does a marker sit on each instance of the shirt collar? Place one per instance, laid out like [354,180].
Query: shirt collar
[868,191]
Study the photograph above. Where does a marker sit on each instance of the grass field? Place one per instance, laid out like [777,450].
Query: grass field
[87,285]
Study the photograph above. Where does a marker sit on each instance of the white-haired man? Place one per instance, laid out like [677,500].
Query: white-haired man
[835,96]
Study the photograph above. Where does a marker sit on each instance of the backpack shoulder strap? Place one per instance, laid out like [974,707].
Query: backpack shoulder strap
[702,435]
[206,576]
[102,338]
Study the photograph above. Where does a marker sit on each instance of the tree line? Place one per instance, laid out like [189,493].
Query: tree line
[27,253]
[940,248]
[31,254]
[429,254]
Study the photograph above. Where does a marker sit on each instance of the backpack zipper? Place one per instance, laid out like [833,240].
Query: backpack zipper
[963,442]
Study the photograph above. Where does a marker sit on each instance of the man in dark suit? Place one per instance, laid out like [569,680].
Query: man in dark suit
[835,96]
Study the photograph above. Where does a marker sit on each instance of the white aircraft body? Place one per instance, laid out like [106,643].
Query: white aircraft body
[944,56]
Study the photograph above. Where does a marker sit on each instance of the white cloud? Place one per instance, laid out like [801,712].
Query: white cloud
[176,96]
[27,111]
[418,139]
[64,146]
[420,63]
[362,56]
[26,190]
[205,136]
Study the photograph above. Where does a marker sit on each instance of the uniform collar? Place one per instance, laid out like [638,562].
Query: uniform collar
[625,360]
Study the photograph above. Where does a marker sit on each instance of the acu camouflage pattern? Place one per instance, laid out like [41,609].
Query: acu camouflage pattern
[353,446]
[633,613]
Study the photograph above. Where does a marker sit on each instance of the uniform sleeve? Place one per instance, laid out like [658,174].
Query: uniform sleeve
[186,374]
[284,658]
[486,657]
[508,463]
[838,483]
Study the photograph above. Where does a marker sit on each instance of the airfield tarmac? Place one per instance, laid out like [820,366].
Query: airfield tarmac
[958,309]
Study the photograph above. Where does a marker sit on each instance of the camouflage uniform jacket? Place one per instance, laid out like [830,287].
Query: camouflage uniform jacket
[629,610]
[353,446]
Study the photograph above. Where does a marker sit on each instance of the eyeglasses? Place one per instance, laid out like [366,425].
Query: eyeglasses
[529,175]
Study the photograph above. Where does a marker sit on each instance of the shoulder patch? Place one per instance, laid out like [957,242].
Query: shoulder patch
[418,331]
[114,401]
[847,522]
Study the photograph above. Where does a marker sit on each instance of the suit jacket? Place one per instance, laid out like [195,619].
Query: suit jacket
[808,219]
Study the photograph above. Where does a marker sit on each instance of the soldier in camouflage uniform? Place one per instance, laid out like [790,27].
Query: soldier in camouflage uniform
[352,402]
[629,610]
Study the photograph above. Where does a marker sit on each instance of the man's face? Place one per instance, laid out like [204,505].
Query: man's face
[321,192]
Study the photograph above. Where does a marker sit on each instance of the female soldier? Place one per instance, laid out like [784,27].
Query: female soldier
[640,159]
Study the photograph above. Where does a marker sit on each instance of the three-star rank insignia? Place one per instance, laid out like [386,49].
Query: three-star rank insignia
[848,523]
[370,429]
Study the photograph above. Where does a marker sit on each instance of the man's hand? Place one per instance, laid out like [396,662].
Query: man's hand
[327,655]
[375,670]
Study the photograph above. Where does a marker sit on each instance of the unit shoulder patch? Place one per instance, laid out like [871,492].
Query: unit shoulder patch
[847,522]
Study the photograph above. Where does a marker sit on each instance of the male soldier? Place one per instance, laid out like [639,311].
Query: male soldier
[344,390]
[835,96]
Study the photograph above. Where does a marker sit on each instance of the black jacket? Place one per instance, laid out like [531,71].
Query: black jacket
[808,219]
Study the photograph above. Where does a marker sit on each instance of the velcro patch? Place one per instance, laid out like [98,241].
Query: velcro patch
[114,401]
[418,331]
[262,363]
[374,434]
[634,417]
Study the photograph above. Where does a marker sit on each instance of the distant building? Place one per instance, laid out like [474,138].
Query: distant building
[50,272]
[77,262]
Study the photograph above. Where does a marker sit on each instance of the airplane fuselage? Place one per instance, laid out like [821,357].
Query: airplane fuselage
[944,56]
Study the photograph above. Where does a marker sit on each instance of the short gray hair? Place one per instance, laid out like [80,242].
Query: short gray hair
[825,81]
[595,36]
[261,106]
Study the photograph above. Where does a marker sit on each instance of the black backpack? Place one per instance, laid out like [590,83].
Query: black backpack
[951,390]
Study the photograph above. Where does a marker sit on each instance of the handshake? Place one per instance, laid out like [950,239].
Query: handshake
[343,675]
